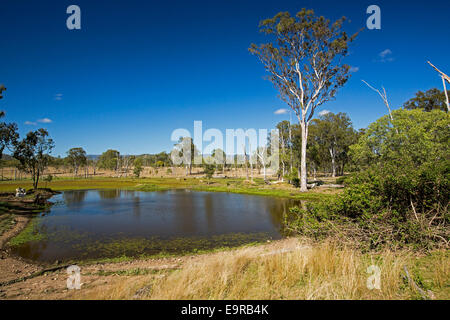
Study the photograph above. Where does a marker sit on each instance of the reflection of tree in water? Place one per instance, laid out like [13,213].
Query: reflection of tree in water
[136,207]
[110,200]
[209,211]
[184,211]
[128,193]
[109,193]
[31,250]
[34,250]
[279,211]
[74,198]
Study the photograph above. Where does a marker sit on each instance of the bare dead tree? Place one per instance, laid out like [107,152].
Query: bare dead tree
[383,96]
[246,161]
[444,79]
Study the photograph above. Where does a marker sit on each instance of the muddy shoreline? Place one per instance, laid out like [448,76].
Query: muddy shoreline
[23,209]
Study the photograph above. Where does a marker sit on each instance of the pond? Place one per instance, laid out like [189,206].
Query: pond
[96,224]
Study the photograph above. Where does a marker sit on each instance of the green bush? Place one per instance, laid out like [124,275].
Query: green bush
[295,182]
[209,170]
[341,180]
[401,195]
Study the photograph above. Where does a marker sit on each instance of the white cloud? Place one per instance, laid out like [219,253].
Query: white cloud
[30,123]
[385,56]
[58,96]
[324,112]
[384,53]
[45,120]
[281,111]
[354,69]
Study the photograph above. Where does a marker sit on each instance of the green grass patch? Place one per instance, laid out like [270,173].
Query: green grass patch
[7,221]
[132,272]
[234,185]
[432,272]
[28,234]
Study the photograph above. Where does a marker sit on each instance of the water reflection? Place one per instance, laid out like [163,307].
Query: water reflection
[105,223]
[109,193]
[74,199]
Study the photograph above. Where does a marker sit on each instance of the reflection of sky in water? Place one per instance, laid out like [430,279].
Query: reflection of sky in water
[90,217]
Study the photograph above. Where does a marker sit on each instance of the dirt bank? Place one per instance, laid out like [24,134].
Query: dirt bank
[22,210]
[102,276]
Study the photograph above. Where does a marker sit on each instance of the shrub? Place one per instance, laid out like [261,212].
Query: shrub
[402,193]
[137,171]
[295,182]
[209,170]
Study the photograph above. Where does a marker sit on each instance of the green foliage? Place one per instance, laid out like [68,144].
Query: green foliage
[295,182]
[137,167]
[8,134]
[33,153]
[411,166]
[433,99]
[304,63]
[312,222]
[109,159]
[422,137]
[401,195]
[330,137]
[209,170]
[76,157]
[292,177]
[341,180]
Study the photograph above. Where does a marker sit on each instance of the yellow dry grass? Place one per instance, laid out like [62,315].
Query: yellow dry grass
[291,269]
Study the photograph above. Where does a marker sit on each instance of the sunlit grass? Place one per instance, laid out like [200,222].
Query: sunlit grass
[294,270]
[258,187]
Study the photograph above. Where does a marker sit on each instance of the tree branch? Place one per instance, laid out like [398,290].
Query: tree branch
[385,100]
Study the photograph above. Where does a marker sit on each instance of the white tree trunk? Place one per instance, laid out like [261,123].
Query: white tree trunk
[333,163]
[251,168]
[303,180]
[283,155]
[446,94]
[264,171]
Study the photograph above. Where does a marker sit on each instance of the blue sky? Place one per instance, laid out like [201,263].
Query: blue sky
[137,70]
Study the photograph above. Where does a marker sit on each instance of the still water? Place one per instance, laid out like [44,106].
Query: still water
[94,224]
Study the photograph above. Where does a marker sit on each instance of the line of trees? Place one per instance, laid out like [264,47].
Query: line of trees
[330,138]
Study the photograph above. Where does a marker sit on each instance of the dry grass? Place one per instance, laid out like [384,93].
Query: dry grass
[291,269]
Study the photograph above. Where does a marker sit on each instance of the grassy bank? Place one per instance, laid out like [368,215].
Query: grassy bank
[291,270]
[6,222]
[258,187]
